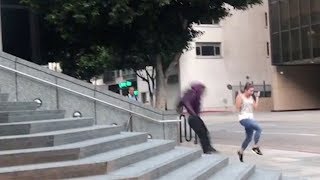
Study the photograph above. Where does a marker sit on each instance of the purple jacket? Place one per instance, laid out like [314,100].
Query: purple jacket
[191,100]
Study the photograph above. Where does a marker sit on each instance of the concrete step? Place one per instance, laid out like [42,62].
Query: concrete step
[200,169]
[237,171]
[154,167]
[260,174]
[18,106]
[30,115]
[93,165]
[4,97]
[70,151]
[29,127]
[293,178]
[56,138]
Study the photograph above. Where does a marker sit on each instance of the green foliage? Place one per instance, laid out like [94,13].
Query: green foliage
[94,63]
[135,30]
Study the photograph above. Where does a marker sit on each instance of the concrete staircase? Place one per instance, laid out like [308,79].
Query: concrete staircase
[42,145]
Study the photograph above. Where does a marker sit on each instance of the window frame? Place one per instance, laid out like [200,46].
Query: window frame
[215,45]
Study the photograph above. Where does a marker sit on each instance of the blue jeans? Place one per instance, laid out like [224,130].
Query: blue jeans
[250,126]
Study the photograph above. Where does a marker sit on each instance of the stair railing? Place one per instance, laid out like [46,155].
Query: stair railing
[185,135]
[129,124]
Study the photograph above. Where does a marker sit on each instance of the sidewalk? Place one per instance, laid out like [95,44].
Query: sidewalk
[290,163]
[290,116]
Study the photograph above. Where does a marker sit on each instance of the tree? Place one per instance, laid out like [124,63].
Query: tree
[140,33]
[149,78]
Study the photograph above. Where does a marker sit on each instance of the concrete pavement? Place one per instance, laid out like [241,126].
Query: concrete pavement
[290,141]
[290,163]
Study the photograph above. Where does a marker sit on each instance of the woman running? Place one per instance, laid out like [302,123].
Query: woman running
[246,102]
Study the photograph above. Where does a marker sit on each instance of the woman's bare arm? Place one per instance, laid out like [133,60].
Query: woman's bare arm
[239,101]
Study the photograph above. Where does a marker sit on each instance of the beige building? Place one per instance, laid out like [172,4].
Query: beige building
[295,39]
[229,53]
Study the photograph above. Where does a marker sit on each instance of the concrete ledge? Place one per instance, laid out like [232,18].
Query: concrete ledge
[16,106]
[56,98]
[30,115]
[19,128]
[70,151]
[56,137]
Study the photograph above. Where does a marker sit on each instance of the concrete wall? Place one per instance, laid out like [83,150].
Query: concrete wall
[23,88]
[243,37]
[265,104]
[296,87]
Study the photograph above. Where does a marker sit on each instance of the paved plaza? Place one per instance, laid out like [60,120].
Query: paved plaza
[290,141]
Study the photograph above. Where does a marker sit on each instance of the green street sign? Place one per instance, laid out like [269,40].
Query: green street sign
[129,83]
[125,84]
[136,92]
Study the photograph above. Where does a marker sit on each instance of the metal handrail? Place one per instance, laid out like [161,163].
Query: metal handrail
[182,116]
[90,97]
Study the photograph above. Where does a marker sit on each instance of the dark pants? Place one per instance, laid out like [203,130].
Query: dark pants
[201,130]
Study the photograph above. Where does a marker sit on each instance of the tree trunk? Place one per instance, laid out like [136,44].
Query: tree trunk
[151,99]
[161,95]
[150,92]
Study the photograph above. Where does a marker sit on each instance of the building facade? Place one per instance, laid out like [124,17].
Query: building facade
[22,39]
[229,54]
[295,41]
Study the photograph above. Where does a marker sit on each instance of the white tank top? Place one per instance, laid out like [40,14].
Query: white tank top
[246,110]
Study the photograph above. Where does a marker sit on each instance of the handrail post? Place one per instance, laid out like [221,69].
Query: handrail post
[131,123]
[180,126]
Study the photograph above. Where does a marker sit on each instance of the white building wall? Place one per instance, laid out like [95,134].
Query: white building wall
[143,86]
[243,37]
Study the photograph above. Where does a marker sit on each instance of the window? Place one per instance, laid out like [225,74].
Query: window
[285,46]
[275,48]
[305,12]
[284,14]
[294,13]
[208,49]
[315,11]
[295,44]
[208,21]
[268,49]
[274,17]
[305,42]
[315,41]
[266,19]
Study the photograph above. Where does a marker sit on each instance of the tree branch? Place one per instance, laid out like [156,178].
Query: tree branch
[152,78]
[141,76]
[153,72]
[148,74]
